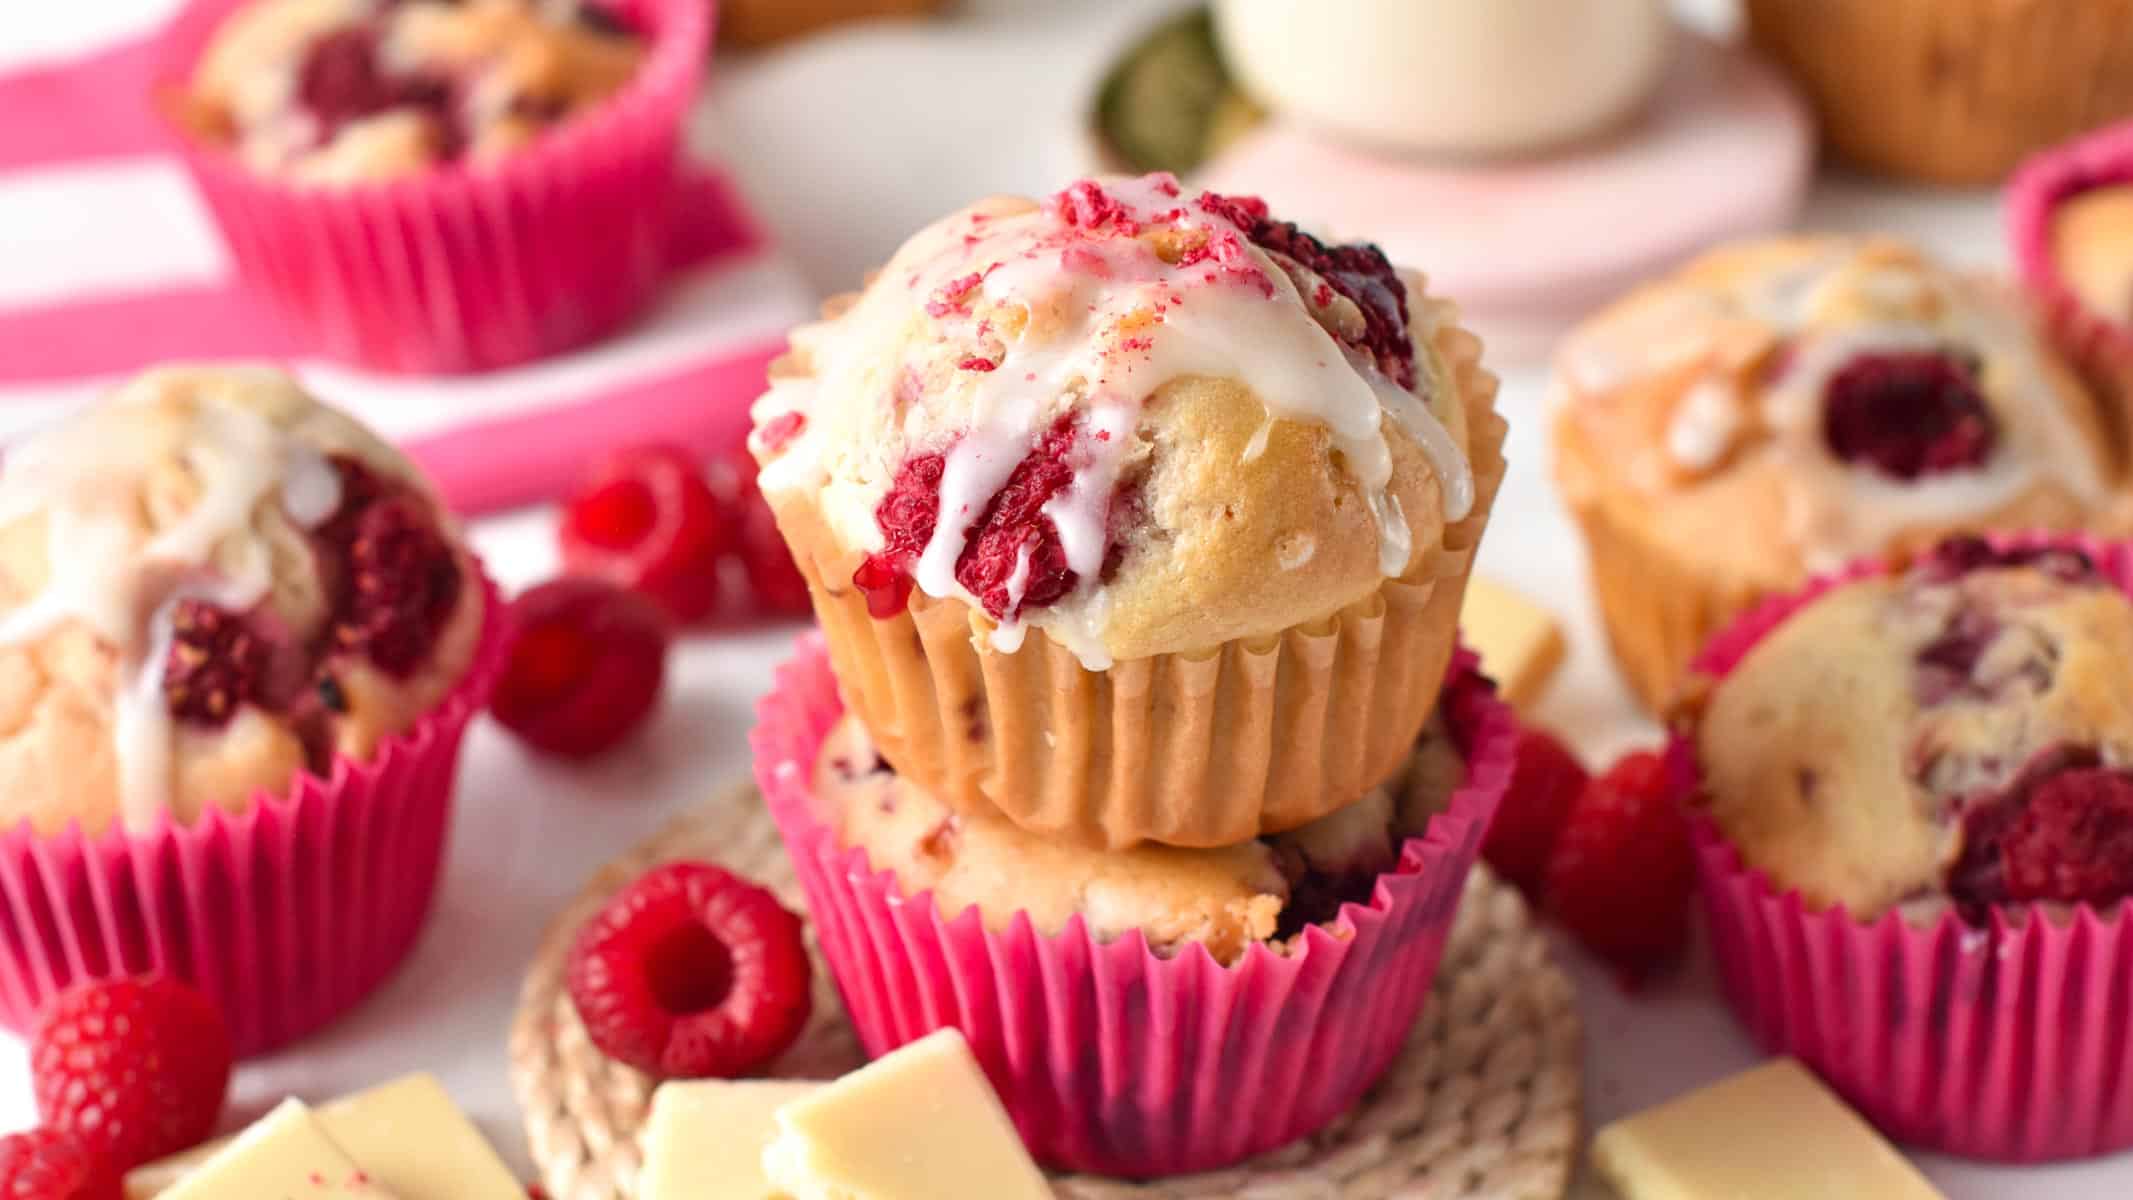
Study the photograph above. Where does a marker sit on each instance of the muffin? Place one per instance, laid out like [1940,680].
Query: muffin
[344,91]
[1926,774]
[1778,408]
[430,186]
[1135,514]
[1122,1000]
[219,597]
[1261,892]
[1952,91]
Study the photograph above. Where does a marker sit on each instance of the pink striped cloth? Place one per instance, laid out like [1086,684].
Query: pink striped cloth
[108,263]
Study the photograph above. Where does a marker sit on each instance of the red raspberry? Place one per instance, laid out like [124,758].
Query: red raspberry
[343,79]
[402,585]
[647,519]
[1545,784]
[587,664]
[2072,839]
[1960,554]
[906,515]
[1014,525]
[47,1164]
[1908,414]
[1622,868]
[690,973]
[772,575]
[135,1068]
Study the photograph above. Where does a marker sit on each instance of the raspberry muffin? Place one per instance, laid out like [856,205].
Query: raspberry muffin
[345,91]
[1261,892]
[1926,775]
[1121,1001]
[1779,408]
[1135,513]
[231,622]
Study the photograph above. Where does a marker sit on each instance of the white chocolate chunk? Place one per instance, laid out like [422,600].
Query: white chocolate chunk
[406,1135]
[919,1124]
[705,1140]
[1519,642]
[1773,1133]
[285,1156]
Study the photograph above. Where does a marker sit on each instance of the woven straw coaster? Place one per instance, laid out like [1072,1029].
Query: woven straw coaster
[1484,1102]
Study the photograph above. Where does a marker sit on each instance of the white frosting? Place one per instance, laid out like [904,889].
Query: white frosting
[1838,511]
[1459,76]
[88,477]
[1110,323]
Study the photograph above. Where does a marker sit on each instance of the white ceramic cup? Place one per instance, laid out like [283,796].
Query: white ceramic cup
[1466,77]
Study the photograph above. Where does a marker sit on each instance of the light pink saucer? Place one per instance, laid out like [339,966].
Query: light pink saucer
[1529,245]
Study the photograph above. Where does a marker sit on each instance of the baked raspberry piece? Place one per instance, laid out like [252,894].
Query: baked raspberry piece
[906,516]
[1544,786]
[217,663]
[136,1069]
[587,665]
[343,79]
[1908,414]
[401,587]
[1360,272]
[1957,556]
[49,1164]
[690,973]
[1622,868]
[1012,558]
[2061,831]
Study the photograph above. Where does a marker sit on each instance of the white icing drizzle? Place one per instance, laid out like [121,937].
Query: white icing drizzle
[1109,322]
[1839,510]
[89,476]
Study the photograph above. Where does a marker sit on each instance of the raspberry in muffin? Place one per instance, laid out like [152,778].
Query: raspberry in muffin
[1063,458]
[1778,409]
[1227,899]
[210,583]
[1957,733]
[346,91]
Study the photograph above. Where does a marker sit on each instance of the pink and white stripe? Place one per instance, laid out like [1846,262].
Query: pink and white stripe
[110,262]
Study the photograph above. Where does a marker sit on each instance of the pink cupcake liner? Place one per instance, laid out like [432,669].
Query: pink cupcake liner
[1112,1059]
[2100,347]
[2011,1042]
[465,270]
[287,915]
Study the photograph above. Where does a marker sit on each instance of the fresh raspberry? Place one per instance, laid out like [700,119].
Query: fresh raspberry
[691,973]
[403,582]
[48,1164]
[1907,414]
[1621,871]
[1961,554]
[906,516]
[217,663]
[588,662]
[647,519]
[1013,537]
[135,1068]
[773,577]
[1544,786]
[1358,271]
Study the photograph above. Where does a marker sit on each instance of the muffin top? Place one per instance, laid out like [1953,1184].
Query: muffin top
[208,583]
[1959,732]
[1142,420]
[345,91]
[1785,407]
[1226,899]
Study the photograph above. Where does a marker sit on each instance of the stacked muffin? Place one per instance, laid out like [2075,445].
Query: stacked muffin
[1137,522]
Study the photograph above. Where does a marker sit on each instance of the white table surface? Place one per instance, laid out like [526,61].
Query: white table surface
[847,144]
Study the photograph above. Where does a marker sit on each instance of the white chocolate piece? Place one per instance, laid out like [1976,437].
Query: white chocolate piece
[921,1123]
[1773,1133]
[1449,76]
[407,1135]
[705,1140]
[285,1156]
[1519,642]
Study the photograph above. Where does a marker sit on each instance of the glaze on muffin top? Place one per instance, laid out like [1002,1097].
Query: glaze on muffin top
[1959,733]
[1037,408]
[343,91]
